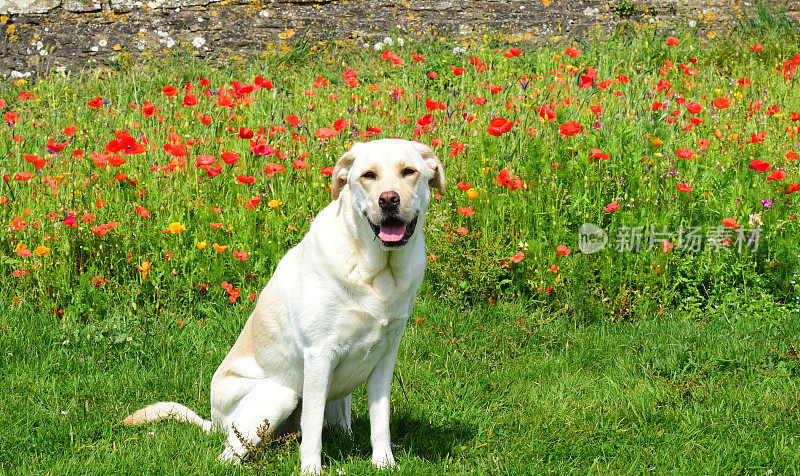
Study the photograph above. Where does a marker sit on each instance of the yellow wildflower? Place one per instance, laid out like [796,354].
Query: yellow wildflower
[176,227]
[144,267]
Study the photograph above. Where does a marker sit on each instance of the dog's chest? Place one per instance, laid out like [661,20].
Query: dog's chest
[360,350]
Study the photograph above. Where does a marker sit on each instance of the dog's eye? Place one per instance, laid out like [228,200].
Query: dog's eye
[369,175]
[408,171]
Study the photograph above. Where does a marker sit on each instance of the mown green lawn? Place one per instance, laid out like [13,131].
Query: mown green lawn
[502,389]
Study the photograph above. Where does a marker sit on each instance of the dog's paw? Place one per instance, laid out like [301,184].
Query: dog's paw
[229,457]
[383,460]
[311,467]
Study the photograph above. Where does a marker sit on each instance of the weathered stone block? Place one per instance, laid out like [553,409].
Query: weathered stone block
[79,6]
[10,7]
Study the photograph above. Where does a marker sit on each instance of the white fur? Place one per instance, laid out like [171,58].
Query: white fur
[331,317]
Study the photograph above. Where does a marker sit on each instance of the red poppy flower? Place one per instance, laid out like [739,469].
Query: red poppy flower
[694,108]
[503,177]
[292,120]
[793,187]
[432,105]
[463,186]
[175,150]
[69,131]
[325,133]
[570,128]
[170,91]
[190,100]
[327,171]
[757,47]
[142,212]
[585,81]
[672,41]
[205,160]
[320,82]
[721,103]
[38,162]
[546,113]
[562,250]
[244,133]
[730,223]
[684,188]
[479,100]
[102,230]
[759,165]
[466,211]
[230,158]
[756,138]
[245,179]
[341,124]
[517,257]
[776,175]
[273,168]
[299,164]
[96,103]
[791,156]
[456,148]
[572,52]
[611,207]
[597,154]
[11,117]
[457,71]
[261,149]
[263,83]
[125,144]
[23,176]
[499,126]
[394,58]
[417,58]
[684,153]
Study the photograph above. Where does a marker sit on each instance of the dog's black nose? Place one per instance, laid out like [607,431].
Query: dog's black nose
[389,201]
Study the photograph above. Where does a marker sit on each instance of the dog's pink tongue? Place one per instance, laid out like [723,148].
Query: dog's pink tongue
[392,233]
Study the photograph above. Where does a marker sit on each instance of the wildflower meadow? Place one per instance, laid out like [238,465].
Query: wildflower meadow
[612,279]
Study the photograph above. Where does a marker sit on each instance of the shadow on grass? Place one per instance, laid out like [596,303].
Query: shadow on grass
[432,441]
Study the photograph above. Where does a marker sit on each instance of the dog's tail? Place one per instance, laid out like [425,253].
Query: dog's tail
[166,411]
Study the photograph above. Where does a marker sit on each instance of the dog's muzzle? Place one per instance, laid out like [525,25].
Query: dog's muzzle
[394,232]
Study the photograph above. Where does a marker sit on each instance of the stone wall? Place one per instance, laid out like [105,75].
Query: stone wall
[42,35]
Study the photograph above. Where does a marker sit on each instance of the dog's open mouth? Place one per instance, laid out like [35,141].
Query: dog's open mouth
[393,232]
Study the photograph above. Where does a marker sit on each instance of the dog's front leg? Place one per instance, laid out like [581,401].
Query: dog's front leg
[379,384]
[316,380]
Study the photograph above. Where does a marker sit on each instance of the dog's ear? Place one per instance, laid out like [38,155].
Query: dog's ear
[436,181]
[340,171]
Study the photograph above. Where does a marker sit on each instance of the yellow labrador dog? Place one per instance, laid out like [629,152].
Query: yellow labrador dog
[332,315]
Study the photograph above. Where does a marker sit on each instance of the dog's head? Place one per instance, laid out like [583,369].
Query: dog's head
[390,182]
